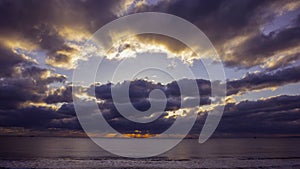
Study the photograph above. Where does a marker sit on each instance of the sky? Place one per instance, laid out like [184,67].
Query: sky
[41,44]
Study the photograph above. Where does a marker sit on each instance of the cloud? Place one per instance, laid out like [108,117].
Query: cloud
[263,80]
[282,61]
[149,43]
[274,116]
[258,48]
[277,115]
[30,117]
[63,94]
[30,87]
[127,7]
[297,20]
[139,90]
[40,118]
[235,27]
[20,16]
[24,85]
[10,61]
[59,28]
[218,19]
[48,25]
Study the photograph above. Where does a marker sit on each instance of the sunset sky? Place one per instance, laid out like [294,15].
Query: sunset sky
[41,44]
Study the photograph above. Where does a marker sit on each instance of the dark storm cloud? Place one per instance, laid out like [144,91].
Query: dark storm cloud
[67,109]
[9,60]
[125,126]
[276,115]
[21,16]
[40,22]
[38,118]
[31,86]
[220,20]
[16,91]
[30,117]
[21,80]
[142,88]
[297,20]
[29,21]
[63,94]
[262,80]
[254,50]
[224,20]
[139,91]
[49,39]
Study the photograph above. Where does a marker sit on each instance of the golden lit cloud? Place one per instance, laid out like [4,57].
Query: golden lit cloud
[74,34]
[286,6]
[16,42]
[150,43]
[283,58]
[228,49]
[180,112]
[39,104]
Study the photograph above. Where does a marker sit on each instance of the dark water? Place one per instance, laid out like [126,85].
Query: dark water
[51,152]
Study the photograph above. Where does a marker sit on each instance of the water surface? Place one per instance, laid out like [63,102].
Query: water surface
[55,152]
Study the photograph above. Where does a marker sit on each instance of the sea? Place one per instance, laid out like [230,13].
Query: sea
[82,153]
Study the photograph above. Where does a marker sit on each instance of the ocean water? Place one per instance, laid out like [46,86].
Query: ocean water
[54,152]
